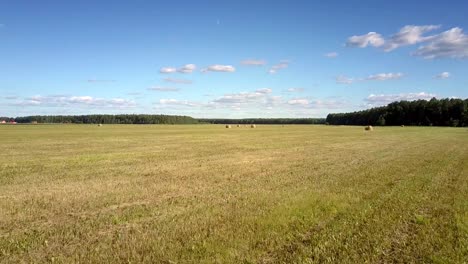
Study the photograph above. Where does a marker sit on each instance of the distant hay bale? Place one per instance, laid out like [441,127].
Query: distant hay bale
[99,124]
[228,126]
[402,125]
[253,126]
[369,128]
[238,125]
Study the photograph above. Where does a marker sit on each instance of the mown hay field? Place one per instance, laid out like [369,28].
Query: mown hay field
[207,194]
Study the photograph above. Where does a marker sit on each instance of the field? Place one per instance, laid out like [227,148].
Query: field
[207,194]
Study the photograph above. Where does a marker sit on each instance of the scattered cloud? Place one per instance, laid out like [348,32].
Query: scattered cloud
[409,35]
[10,97]
[179,81]
[282,65]
[167,70]
[384,99]
[370,39]
[384,76]
[219,68]
[452,43]
[341,79]
[295,90]
[175,102]
[187,68]
[298,102]
[242,97]
[75,101]
[264,90]
[331,55]
[163,89]
[253,62]
[443,75]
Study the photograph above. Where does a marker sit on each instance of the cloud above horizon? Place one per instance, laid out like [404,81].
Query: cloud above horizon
[452,43]
[442,75]
[383,99]
[179,81]
[219,68]
[331,55]
[76,101]
[281,65]
[163,89]
[253,62]
[187,68]
[342,79]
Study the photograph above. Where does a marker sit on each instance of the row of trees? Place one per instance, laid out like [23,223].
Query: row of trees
[110,119]
[435,112]
[279,121]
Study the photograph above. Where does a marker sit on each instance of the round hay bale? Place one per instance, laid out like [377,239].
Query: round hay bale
[238,125]
[99,124]
[228,126]
[402,125]
[253,126]
[369,128]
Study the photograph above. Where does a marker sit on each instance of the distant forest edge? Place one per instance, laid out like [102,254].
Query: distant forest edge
[270,121]
[109,119]
[155,119]
[435,112]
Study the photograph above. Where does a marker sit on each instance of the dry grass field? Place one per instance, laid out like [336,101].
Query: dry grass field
[207,194]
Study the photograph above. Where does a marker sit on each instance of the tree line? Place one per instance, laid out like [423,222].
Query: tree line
[109,119]
[271,121]
[435,112]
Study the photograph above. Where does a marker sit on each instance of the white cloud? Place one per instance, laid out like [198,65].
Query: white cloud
[409,35]
[452,43]
[180,81]
[295,90]
[384,99]
[253,62]
[298,102]
[175,102]
[331,55]
[341,79]
[264,90]
[370,39]
[443,75]
[167,70]
[328,104]
[219,68]
[384,76]
[76,101]
[188,68]
[163,89]
[240,98]
[282,65]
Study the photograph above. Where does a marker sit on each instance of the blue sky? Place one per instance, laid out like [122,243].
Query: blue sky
[228,58]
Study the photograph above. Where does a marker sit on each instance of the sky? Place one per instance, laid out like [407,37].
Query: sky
[228,59]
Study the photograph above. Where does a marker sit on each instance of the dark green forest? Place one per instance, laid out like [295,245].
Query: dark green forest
[271,121]
[110,119]
[435,112]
